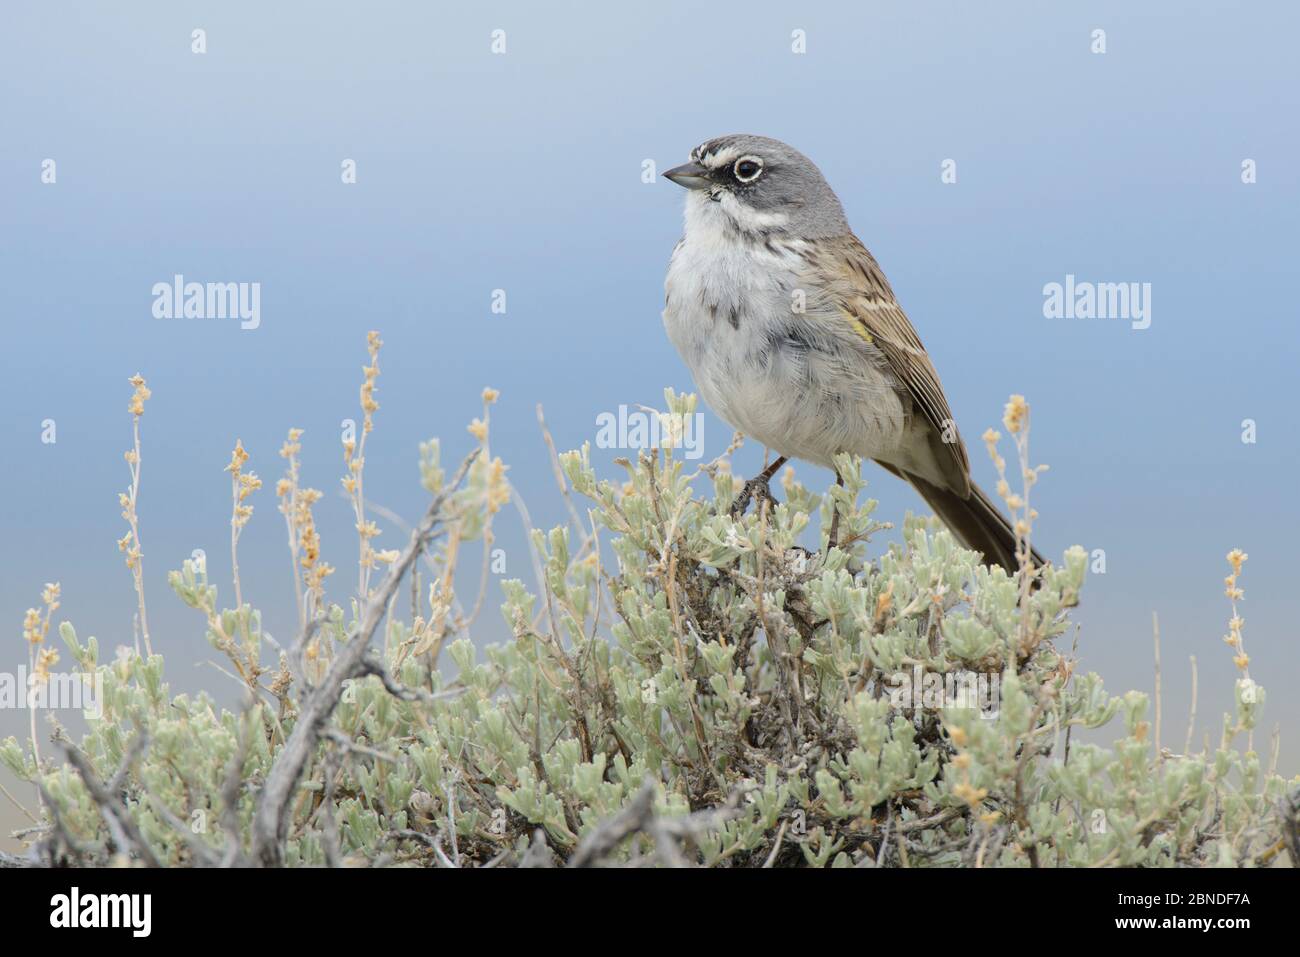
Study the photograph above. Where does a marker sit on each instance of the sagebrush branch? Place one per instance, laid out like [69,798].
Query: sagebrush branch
[271,816]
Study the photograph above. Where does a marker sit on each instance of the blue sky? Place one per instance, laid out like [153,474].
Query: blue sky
[522,172]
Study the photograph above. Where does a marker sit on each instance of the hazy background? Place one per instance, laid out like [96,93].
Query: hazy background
[523,172]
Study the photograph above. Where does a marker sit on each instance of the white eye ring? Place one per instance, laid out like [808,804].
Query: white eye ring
[756,160]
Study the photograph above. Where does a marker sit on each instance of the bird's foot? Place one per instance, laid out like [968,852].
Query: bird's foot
[833,536]
[756,490]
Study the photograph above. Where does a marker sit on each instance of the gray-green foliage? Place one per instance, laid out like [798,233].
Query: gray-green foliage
[718,659]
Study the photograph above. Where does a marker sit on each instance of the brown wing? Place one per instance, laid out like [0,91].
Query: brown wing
[863,295]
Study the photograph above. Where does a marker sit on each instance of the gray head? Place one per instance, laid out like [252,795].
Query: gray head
[762,186]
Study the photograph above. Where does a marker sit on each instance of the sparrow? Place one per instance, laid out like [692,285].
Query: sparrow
[795,338]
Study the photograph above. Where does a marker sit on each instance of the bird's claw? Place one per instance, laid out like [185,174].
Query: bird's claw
[755,490]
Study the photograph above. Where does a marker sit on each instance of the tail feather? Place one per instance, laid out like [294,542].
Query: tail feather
[975,521]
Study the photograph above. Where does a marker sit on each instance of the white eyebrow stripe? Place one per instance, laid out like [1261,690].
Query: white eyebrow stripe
[724,157]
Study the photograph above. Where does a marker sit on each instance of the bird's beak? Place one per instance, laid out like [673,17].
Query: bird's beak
[689,175]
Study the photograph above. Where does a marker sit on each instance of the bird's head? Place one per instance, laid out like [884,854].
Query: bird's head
[761,186]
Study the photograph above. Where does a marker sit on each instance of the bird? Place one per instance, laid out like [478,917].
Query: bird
[795,338]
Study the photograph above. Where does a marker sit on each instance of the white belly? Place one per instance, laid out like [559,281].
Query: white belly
[805,387]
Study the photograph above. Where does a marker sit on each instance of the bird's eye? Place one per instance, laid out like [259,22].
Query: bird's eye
[747,169]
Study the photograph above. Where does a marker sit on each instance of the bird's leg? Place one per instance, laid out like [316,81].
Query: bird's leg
[756,489]
[833,538]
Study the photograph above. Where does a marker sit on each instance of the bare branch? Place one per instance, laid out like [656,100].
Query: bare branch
[271,817]
[204,855]
[612,831]
[539,853]
[121,825]
[330,828]
[230,788]
[638,816]
[370,665]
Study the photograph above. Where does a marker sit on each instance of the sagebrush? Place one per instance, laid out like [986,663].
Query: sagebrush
[683,687]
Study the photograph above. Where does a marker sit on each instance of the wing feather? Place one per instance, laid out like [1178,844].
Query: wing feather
[863,295]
